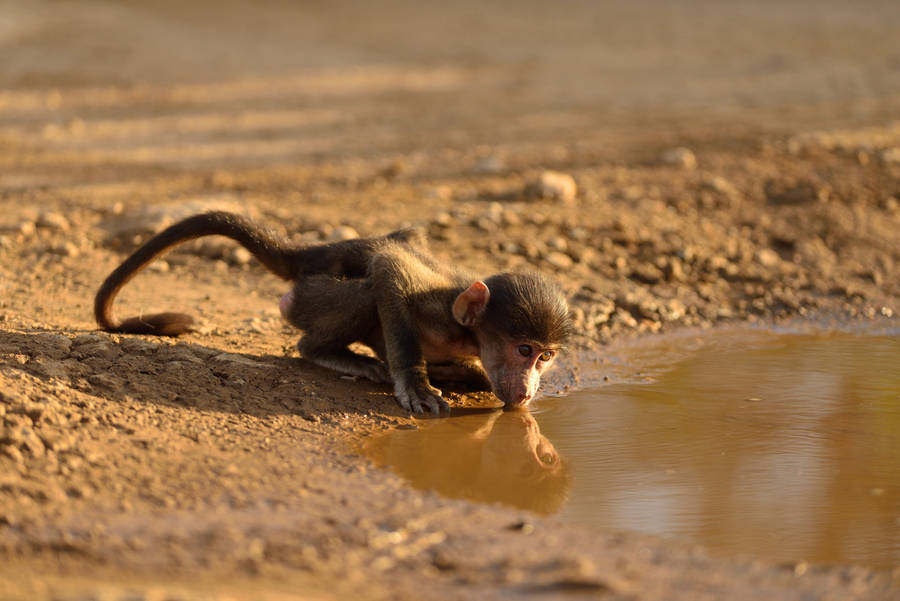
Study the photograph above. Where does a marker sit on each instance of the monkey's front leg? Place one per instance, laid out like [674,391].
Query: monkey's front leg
[406,361]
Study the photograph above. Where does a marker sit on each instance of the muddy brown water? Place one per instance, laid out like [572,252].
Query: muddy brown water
[784,446]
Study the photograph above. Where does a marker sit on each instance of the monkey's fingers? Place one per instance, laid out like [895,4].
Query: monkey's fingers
[436,404]
[418,398]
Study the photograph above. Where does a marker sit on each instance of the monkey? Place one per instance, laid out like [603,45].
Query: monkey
[419,317]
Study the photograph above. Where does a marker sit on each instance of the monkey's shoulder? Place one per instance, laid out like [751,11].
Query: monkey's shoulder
[440,345]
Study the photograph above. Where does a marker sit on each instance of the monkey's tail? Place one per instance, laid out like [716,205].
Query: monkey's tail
[270,251]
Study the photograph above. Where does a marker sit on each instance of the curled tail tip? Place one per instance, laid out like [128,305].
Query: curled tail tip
[161,324]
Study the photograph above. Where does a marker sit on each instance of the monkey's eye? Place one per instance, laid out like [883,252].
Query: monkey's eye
[524,349]
[546,355]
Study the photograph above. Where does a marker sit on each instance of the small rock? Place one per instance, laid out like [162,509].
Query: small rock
[720,185]
[646,273]
[343,232]
[789,191]
[444,219]
[891,155]
[66,249]
[510,248]
[559,260]
[229,359]
[625,318]
[674,270]
[489,165]
[673,310]
[240,256]
[558,243]
[679,157]
[511,218]
[553,185]
[522,526]
[485,223]
[767,257]
[159,266]
[27,228]
[53,221]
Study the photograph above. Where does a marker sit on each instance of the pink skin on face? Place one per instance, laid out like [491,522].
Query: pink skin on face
[515,370]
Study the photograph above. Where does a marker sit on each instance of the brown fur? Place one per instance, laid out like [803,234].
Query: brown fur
[389,293]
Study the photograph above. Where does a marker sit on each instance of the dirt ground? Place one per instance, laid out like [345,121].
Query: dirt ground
[673,165]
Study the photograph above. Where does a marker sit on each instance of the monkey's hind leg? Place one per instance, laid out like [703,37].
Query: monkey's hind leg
[333,314]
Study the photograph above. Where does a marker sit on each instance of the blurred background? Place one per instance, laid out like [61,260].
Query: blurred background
[167,82]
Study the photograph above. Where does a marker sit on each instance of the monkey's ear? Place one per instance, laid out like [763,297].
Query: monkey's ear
[471,304]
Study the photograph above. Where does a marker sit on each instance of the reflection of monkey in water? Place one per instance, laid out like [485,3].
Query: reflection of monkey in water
[482,456]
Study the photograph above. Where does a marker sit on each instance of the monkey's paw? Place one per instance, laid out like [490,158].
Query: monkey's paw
[418,398]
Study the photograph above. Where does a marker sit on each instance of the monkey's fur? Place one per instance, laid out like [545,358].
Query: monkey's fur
[389,293]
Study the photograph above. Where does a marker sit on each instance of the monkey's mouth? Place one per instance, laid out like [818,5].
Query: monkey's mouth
[521,404]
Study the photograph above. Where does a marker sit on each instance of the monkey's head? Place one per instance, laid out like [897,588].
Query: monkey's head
[521,322]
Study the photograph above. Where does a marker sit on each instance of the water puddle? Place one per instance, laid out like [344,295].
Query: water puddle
[782,446]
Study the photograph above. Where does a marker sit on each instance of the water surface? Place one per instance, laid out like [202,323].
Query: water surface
[782,446]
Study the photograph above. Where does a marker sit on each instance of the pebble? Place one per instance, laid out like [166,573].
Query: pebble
[891,155]
[559,260]
[53,221]
[343,232]
[558,243]
[444,219]
[767,257]
[230,359]
[646,273]
[66,249]
[788,191]
[159,266]
[679,157]
[719,184]
[240,256]
[27,228]
[625,318]
[510,248]
[554,185]
[511,218]
[485,223]
[489,165]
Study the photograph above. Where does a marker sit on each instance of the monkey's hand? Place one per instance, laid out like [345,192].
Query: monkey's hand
[415,394]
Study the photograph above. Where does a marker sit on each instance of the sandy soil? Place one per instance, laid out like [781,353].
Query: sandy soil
[730,164]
